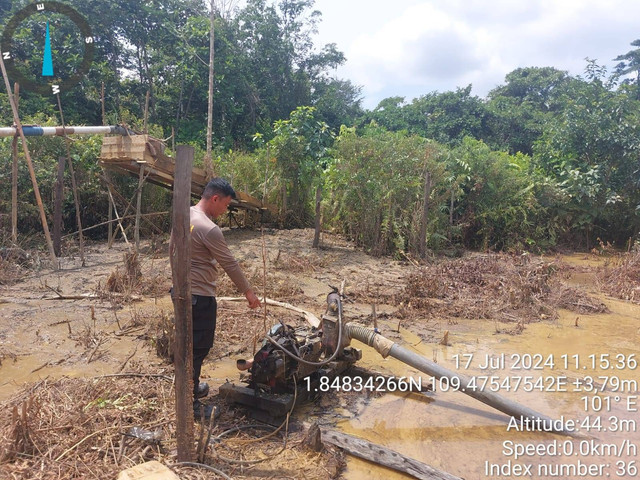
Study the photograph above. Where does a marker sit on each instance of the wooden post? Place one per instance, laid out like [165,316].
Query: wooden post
[32,173]
[181,269]
[136,231]
[422,246]
[57,207]
[14,176]
[74,186]
[316,236]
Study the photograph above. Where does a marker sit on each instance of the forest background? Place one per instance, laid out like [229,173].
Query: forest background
[545,160]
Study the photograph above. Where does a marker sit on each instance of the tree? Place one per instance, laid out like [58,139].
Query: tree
[629,65]
[337,102]
[300,146]
[520,108]
[447,117]
[377,184]
[591,149]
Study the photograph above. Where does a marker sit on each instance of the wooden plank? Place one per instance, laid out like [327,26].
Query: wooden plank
[180,256]
[123,154]
[384,456]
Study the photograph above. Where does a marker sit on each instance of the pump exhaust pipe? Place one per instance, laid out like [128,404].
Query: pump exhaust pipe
[386,347]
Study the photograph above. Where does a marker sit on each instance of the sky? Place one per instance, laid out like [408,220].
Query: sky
[410,48]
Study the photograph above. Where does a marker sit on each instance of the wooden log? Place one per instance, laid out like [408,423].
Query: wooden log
[32,173]
[94,296]
[57,207]
[384,456]
[180,256]
[14,176]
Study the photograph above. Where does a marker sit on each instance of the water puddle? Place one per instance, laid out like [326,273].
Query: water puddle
[582,367]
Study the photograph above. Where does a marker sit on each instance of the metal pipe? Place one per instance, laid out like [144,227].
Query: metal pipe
[36,131]
[466,385]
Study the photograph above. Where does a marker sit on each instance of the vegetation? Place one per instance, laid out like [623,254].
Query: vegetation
[546,159]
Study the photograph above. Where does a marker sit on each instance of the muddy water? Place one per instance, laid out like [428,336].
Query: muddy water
[455,433]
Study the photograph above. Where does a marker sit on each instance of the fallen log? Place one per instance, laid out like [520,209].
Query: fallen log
[94,296]
[383,456]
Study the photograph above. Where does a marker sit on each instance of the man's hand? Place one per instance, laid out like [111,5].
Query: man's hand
[254,301]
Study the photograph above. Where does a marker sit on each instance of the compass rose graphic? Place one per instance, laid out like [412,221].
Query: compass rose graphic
[55,33]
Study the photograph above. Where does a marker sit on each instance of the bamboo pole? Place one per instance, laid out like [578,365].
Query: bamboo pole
[74,186]
[115,211]
[57,207]
[127,205]
[102,224]
[32,173]
[180,256]
[14,175]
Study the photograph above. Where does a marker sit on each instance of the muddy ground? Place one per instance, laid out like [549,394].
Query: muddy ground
[65,333]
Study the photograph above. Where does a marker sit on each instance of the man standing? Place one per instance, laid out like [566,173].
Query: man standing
[209,251]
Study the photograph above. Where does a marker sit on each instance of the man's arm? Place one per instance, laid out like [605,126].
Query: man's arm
[227,261]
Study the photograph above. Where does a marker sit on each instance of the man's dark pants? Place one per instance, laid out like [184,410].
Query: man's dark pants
[204,311]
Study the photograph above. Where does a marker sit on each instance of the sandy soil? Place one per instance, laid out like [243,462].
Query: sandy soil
[44,336]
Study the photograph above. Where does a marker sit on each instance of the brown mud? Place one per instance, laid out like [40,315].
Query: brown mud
[56,351]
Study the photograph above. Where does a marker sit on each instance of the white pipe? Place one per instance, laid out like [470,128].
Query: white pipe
[37,131]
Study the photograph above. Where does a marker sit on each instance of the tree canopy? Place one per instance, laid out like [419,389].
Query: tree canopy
[545,158]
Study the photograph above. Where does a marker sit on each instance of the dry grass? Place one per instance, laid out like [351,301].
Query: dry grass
[161,334]
[135,278]
[497,287]
[623,279]
[82,428]
[11,272]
